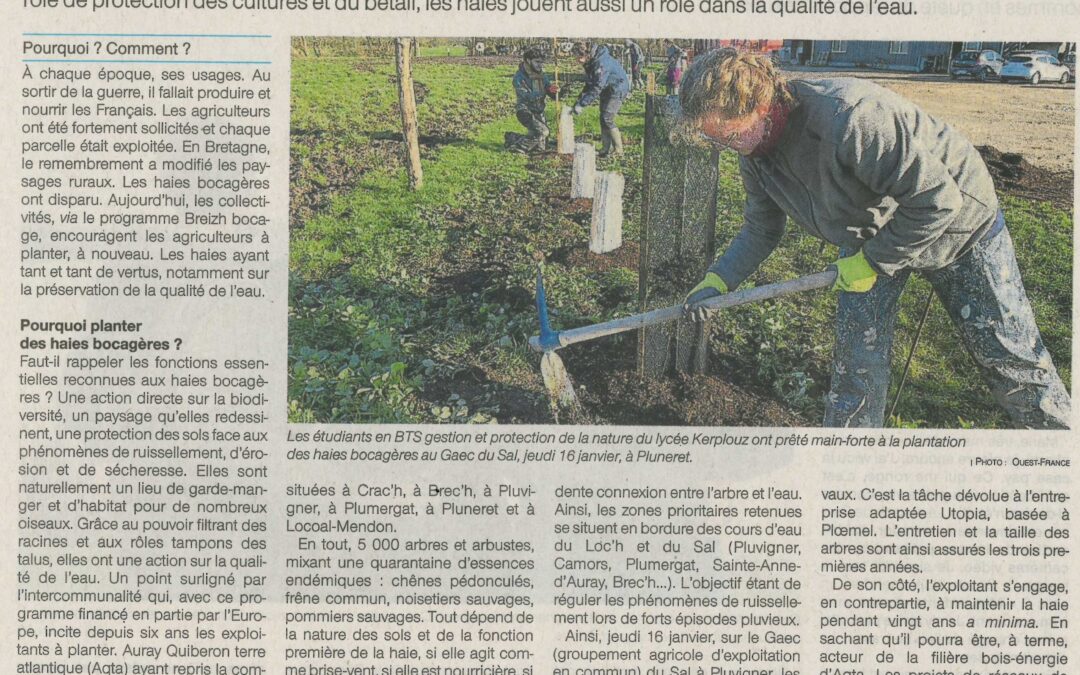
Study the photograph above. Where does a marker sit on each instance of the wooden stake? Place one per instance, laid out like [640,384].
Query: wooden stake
[555,55]
[409,129]
[650,83]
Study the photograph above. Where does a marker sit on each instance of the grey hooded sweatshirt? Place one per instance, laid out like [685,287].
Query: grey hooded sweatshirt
[861,167]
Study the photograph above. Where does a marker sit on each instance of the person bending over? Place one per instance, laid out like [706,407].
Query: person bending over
[606,82]
[899,193]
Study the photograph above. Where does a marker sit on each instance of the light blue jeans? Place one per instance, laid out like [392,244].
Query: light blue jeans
[984,295]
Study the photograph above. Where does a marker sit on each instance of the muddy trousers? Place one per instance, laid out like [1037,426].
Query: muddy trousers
[536,124]
[610,102]
[984,295]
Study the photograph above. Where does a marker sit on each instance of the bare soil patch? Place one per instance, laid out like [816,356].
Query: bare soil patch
[1014,175]
[612,393]
[626,256]
[1036,122]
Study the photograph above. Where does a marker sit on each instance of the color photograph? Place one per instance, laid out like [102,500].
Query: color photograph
[620,231]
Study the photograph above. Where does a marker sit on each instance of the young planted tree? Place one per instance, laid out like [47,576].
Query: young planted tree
[407,99]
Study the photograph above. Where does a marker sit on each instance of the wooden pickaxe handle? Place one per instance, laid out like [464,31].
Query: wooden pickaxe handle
[808,283]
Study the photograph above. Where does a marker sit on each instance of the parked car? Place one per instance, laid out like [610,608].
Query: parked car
[1069,61]
[1034,67]
[980,65]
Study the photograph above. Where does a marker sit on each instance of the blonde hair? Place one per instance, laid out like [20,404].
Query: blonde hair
[729,83]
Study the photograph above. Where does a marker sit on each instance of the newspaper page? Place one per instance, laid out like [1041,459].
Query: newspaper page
[538,337]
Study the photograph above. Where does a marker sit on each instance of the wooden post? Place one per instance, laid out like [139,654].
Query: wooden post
[566,131]
[650,83]
[679,221]
[606,230]
[555,55]
[583,181]
[409,130]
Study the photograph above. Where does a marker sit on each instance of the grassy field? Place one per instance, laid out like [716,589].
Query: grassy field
[442,50]
[416,307]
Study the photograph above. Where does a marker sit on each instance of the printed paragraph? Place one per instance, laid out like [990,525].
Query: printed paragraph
[144,181]
[952,580]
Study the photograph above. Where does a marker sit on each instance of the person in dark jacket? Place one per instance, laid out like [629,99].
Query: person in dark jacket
[606,81]
[533,87]
[899,192]
[637,60]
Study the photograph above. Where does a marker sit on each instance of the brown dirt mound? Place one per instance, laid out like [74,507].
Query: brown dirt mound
[612,393]
[676,277]
[626,256]
[582,205]
[695,400]
[1014,175]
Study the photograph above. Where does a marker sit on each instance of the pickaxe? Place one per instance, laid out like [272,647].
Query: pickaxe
[558,383]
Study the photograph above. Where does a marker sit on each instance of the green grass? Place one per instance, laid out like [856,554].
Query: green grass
[444,50]
[416,306]
[368,320]
[381,226]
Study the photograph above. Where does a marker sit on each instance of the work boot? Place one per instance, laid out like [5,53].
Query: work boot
[605,147]
[616,142]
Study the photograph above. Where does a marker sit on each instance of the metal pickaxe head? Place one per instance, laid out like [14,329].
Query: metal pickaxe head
[557,381]
[549,339]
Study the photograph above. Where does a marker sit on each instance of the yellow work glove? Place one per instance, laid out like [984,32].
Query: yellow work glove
[854,274]
[710,287]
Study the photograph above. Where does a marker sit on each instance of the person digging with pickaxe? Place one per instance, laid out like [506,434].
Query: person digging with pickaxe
[606,82]
[900,193]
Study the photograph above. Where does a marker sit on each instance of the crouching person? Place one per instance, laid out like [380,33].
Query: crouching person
[533,87]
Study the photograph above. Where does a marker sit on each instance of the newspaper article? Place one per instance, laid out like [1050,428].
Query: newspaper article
[496,337]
